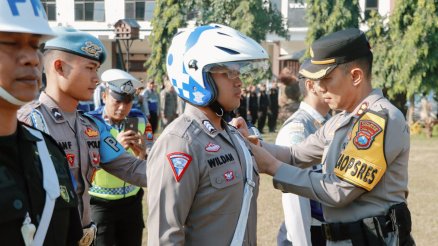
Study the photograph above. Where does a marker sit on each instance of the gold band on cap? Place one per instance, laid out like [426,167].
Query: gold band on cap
[315,75]
[324,62]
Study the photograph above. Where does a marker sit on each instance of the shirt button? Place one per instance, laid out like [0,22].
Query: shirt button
[219,180]
[18,204]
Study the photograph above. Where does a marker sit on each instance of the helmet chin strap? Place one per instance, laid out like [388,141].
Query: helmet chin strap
[11,99]
[219,110]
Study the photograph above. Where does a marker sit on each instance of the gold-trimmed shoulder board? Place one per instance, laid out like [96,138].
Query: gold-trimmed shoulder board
[363,161]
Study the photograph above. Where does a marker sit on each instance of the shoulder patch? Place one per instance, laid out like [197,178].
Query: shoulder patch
[179,162]
[363,162]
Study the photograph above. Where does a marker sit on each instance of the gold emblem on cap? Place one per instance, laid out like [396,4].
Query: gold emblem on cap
[92,49]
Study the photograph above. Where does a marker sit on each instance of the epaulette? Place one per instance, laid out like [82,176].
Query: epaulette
[136,113]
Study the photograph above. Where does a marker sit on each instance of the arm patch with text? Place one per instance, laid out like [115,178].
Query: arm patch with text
[363,161]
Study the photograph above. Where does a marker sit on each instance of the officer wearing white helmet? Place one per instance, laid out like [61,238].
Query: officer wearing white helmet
[203,181]
[116,205]
[71,61]
[37,199]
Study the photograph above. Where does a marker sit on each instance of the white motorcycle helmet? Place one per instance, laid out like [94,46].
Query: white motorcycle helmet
[196,52]
[23,17]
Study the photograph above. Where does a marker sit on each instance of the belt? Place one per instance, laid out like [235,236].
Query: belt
[346,231]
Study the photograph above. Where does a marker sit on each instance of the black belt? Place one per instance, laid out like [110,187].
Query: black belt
[346,231]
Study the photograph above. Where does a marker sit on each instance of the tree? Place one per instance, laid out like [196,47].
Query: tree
[169,15]
[327,16]
[251,17]
[405,50]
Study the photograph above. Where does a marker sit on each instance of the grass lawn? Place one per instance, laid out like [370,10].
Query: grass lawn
[423,196]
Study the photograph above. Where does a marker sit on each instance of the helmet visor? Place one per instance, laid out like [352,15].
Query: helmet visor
[239,69]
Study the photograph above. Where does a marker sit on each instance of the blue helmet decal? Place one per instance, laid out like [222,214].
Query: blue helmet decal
[194,36]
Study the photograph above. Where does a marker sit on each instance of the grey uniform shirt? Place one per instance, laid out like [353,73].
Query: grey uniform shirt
[195,184]
[81,143]
[342,201]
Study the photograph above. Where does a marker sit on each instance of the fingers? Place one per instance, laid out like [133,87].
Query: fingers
[240,124]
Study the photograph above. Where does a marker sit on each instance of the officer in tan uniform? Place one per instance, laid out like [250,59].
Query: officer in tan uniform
[364,150]
[71,62]
[203,183]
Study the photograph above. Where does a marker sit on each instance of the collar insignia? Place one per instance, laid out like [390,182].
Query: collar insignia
[209,126]
[56,114]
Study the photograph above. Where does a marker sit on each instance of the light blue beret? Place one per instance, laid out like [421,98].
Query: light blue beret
[76,42]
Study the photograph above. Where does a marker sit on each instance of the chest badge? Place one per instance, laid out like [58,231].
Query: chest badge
[211,147]
[91,132]
[179,162]
[229,175]
[96,158]
[70,159]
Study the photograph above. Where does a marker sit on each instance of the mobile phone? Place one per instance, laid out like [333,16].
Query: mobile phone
[131,124]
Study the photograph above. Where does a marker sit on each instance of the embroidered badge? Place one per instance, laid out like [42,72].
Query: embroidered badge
[209,126]
[179,162]
[70,159]
[366,133]
[56,114]
[127,87]
[211,147]
[96,158]
[92,49]
[229,175]
[64,193]
[91,132]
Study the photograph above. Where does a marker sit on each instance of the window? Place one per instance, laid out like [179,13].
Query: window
[296,16]
[50,8]
[369,6]
[139,9]
[90,10]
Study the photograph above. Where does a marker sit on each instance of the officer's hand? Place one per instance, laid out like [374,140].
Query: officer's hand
[125,138]
[240,124]
[265,161]
[138,145]
[88,236]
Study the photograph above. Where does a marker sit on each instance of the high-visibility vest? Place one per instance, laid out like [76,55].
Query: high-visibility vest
[108,186]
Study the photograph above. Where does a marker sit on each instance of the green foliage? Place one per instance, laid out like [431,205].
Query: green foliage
[169,15]
[327,16]
[406,58]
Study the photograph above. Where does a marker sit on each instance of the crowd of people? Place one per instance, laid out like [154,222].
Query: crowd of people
[69,177]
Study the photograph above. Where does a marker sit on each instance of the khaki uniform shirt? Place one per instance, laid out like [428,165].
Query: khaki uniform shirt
[343,201]
[195,184]
[82,145]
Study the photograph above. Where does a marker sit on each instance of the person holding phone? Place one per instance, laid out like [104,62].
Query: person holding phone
[115,204]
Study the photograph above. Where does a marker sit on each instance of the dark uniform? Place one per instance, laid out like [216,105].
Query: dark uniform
[22,191]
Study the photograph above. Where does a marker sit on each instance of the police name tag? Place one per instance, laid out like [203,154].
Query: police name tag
[363,161]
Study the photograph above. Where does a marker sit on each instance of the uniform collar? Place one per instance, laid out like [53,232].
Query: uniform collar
[55,112]
[375,95]
[310,110]
[198,116]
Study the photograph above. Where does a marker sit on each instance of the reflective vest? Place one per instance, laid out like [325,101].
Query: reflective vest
[108,186]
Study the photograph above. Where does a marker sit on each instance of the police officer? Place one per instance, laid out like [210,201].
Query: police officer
[37,199]
[116,205]
[203,183]
[303,217]
[71,62]
[364,149]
